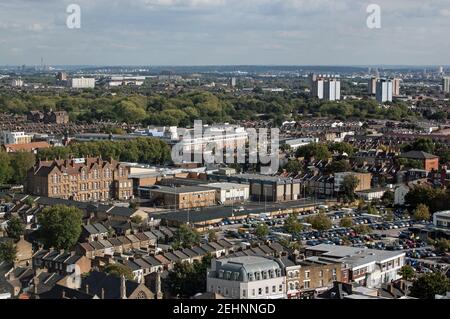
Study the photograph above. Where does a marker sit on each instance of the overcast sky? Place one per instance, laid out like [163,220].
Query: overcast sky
[207,32]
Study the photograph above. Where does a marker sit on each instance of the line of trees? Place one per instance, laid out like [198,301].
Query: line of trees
[144,150]
[183,109]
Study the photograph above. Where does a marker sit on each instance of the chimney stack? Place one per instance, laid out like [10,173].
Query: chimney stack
[123,290]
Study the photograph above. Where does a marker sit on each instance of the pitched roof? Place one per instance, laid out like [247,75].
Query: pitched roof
[418,155]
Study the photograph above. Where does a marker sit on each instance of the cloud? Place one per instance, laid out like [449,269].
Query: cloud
[226,32]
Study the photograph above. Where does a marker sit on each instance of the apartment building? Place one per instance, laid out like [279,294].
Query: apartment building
[305,278]
[367,267]
[365,180]
[83,179]
[266,188]
[246,277]
[228,193]
[184,197]
[8,137]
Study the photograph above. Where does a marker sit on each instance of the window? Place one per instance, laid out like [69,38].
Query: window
[274,289]
[291,286]
[253,292]
[244,292]
[321,273]
[307,273]
[267,290]
[280,288]
[226,291]
[260,291]
[306,284]
[321,283]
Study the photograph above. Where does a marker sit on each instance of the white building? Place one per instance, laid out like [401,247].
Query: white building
[248,277]
[442,219]
[446,84]
[368,267]
[384,91]
[317,88]
[371,194]
[115,81]
[400,192]
[227,193]
[332,90]
[299,142]
[17,83]
[82,83]
[8,137]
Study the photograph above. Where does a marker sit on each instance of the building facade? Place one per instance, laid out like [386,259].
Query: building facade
[248,277]
[8,137]
[384,91]
[85,179]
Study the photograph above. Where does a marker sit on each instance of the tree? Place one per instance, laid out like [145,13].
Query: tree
[60,226]
[186,236]
[349,185]
[421,144]
[292,224]
[212,236]
[320,221]
[371,210]
[407,272]
[15,228]
[314,150]
[118,270]
[338,167]
[421,212]
[262,230]
[294,167]
[186,280]
[341,148]
[362,229]
[429,285]
[136,219]
[6,170]
[21,162]
[388,198]
[346,222]
[8,252]
[442,245]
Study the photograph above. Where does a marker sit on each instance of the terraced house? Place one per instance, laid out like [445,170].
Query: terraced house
[84,179]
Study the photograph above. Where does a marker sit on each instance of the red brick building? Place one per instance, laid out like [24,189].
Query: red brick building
[430,161]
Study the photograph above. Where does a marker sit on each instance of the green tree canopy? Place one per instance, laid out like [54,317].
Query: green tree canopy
[421,212]
[15,228]
[186,236]
[119,270]
[346,222]
[407,272]
[429,285]
[60,226]
[292,224]
[314,151]
[8,252]
[262,230]
[320,221]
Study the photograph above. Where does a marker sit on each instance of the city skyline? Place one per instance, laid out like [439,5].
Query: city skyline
[224,32]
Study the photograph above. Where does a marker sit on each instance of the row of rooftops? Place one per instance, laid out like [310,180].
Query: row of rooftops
[353,256]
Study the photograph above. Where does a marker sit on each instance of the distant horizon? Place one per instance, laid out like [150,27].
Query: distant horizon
[225,32]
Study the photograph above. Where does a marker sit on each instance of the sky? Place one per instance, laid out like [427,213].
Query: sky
[225,32]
